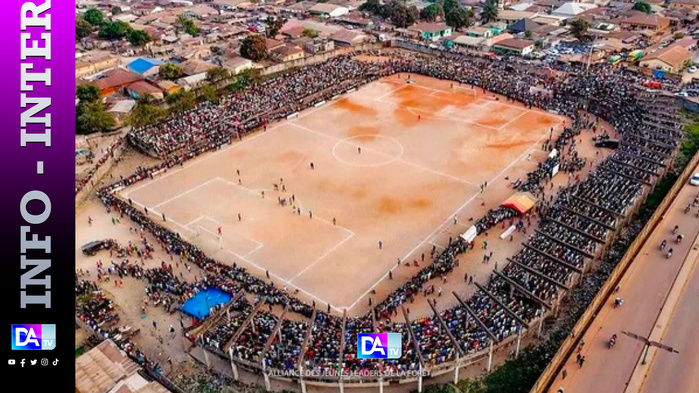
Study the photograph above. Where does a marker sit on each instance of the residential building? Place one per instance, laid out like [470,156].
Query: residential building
[201,11]
[237,64]
[432,31]
[286,53]
[644,21]
[524,25]
[94,64]
[272,44]
[145,66]
[106,368]
[514,46]
[478,31]
[509,16]
[572,9]
[114,80]
[141,89]
[671,59]
[684,4]
[319,46]
[168,87]
[195,67]
[327,10]
[348,38]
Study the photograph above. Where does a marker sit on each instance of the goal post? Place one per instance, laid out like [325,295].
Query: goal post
[209,235]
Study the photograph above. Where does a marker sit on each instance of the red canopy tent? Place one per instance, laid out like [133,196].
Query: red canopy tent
[522,202]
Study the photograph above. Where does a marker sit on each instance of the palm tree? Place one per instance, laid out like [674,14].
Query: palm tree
[179,25]
[490,11]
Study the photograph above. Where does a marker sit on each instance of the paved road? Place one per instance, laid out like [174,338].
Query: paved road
[644,289]
[678,372]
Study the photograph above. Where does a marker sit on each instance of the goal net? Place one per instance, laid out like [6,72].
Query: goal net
[209,237]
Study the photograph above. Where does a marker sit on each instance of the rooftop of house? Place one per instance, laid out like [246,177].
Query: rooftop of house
[429,27]
[647,20]
[515,43]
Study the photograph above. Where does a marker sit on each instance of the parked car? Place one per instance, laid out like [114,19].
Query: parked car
[694,180]
[93,247]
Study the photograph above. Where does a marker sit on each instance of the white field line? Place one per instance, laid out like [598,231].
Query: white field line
[335,247]
[379,153]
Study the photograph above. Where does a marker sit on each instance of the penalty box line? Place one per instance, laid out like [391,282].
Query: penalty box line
[248,261]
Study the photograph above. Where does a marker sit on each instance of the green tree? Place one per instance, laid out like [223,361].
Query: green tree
[181,101]
[217,74]
[432,12]
[209,93]
[94,17]
[187,25]
[146,112]
[87,93]
[457,18]
[449,5]
[310,33]
[116,10]
[138,38]
[253,47]
[216,50]
[83,28]
[578,28]
[678,35]
[114,30]
[490,11]
[274,25]
[371,6]
[528,34]
[401,15]
[169,71]
[642,6]
[92,117]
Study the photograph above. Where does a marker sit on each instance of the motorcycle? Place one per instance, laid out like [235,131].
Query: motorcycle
[663,245]
[612,342]
[679,239]
[669,254]
[675,229]
[618,302]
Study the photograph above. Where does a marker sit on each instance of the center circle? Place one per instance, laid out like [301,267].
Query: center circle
[368,150]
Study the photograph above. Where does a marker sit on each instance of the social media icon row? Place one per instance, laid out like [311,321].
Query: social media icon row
[32,362]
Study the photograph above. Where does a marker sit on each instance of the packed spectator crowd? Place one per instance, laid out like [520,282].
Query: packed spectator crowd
[570,233]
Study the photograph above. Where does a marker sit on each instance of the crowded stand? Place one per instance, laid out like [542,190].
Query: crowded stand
[251,342]
[323,354]
[214,124]
[568,237]
[594,206]
[433,342]
[581,224]
[284,353]
[223,331]
[353,327]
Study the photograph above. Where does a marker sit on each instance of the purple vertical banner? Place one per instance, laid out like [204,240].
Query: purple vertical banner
[38,203]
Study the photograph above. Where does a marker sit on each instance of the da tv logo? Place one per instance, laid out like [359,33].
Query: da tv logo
[379,346]
[33,337]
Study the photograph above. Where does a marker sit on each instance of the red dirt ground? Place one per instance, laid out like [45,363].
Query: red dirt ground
[425,149]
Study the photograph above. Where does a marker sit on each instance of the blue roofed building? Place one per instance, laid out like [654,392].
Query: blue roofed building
[145,66]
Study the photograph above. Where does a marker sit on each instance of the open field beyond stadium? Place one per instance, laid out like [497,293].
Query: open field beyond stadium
[394,163]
